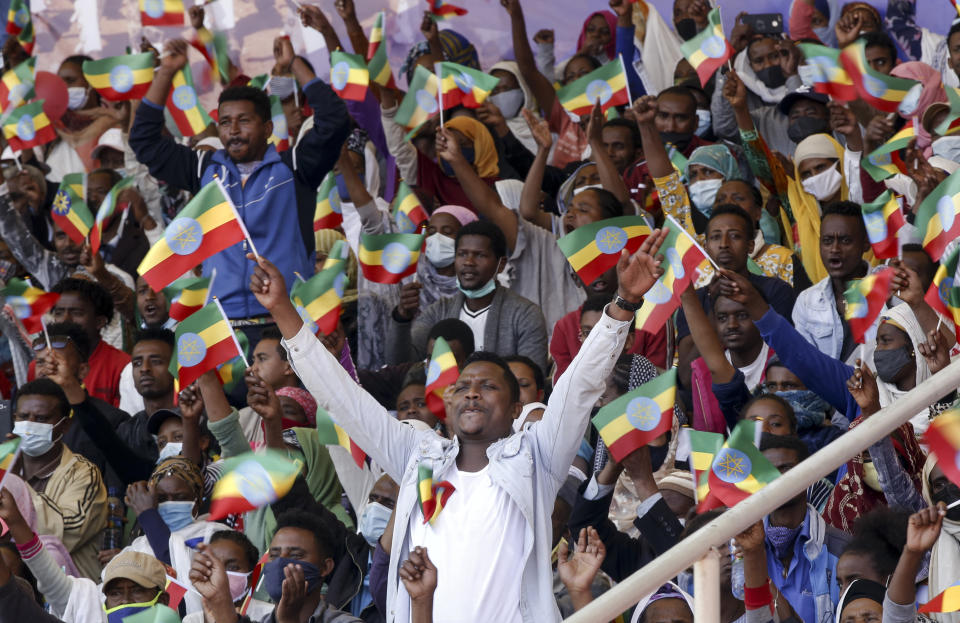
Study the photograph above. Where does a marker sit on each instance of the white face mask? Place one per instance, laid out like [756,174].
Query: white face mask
[947,147]
[171,449]
[373,522]
[704,193]
[282,86]
[509,102]
[76,97]
[825,184]
[440,250]
[704,121]
[36,438]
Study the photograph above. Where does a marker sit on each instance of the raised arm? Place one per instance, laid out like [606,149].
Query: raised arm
[484,198]
[923,530]
[609,178]
[530,197]
[658,162]
[42,263]
[348,13]
[312,17]
[706,338]
[541,87]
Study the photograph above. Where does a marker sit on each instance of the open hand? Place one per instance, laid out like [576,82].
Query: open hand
[294,592]
[539,128]
[848,28]
[578,571]
[209,576]
[638,272]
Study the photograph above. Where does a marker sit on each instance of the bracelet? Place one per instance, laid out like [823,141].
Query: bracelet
[756,597]
[626,305]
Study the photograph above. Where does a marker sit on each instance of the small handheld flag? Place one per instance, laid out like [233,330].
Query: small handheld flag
[887,160]
[464,86]
[28,126]
[408,213]
[608,85]
[441,10]
[638,417]
[281,133]
[349,76]
[207,225]
[204,341]
[388,258]
[184,107]
[826,73]
[9,451]
[864,301]
[162,13]
[683,255]
[330,433]
[595,248]
[420,102]
[188,295]
[937,216]
[231,372]
[432,496]
[883,92]
[328,213]
[947,601]
[214,48]
[251,481]
[108,207]
[16,85]
[319,299]
[739,469]
[118,78]
[29,304]
[175,591]
[883,218]
[377,63]
[20,24]
[69,210]
[441,373]
[943,294]
[709,49]
[704,446]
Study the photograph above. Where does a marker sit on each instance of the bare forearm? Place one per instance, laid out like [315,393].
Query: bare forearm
[530,197]
[422,610]
[744,120]
[358,39]
[755,568]
[658,162]
[903,588]
[579,599]
[706,339]
[160,87]
[302,72]
[485,200]
[273,433]
[191,442]
[214,400]
[358,191]
[609,178]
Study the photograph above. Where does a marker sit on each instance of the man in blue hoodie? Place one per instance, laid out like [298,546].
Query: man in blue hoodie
[271,190]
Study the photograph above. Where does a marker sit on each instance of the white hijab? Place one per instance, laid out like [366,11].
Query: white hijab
[643,603]
[518,125]
[903,316]
[945,556]
[769,96]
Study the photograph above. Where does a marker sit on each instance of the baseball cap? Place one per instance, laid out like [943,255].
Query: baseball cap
[801,93]
[159,417]
[112,138]
[137,567]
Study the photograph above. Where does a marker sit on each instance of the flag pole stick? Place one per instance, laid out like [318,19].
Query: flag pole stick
[863,350]
[626,80]
[939,323]
[213,275]
[680,229]
[299,276]
[246,234]
[16,158]
[436,69]
[233,335]
[46,336]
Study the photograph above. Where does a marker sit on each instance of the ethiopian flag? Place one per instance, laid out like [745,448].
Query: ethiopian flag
[638,417]
[207,225]
[951,124]
[28,126]
[162,13]
[704,446]
[388,258]
[432,496]
[213,47]
[881,91]
[188,295]
[885,161]
[441,10]
[739,469]
[608,84]
[125,77]
[349,76]
[330,433]
[70,212]
[232,371]
[408,212]
[947,601]
[463,86]
[20,24]
[28,303]
[682,255]
[864,301]
[420,103]
[184,105]
[259,82]
[943,295]
[251,481]
[710,49]
[828,76]
[328,211]
[281,134]
[883,218]
[339,254]
[943,437]
[937,216]
[320,297]
[16,85]
[9,450]
[204,341]
[377,62]
[441,373]
[108,207]
[592,249]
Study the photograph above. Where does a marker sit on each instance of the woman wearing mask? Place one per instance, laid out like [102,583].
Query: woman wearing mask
[436,275]
[510,97]
[707,169]
[239,557]
[945,556]
[168,510]
[810,410]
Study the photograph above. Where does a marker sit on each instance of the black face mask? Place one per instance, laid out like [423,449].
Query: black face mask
[889,363]
[946,495]
[686,28]
[680,140]
[658,454]
[772,77]
[803,127]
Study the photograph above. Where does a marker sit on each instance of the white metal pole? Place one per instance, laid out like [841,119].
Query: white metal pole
[648,579]
[706,588]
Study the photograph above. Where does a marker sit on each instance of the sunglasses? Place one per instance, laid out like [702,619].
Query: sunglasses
[57,343]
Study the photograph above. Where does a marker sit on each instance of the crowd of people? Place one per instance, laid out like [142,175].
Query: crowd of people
[104,514]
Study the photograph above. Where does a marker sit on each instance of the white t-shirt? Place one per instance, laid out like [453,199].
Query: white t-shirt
[477,321]
[753,372]
[477,545]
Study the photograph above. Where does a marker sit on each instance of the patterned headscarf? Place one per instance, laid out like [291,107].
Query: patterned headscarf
[304,399]
[357,140]
[179,467]
[716,157]
[456,49]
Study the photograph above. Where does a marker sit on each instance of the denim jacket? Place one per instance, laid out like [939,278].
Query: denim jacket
[530,465]
[816,317]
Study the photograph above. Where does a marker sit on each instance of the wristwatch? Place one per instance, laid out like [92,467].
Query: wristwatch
[624,304]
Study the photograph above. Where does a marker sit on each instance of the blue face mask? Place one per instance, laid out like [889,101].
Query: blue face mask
[481,292]
[119,613]
[373,522]
[177,515]
[469,154]
[809,408]
[342,189]
[273,576]
[770,228]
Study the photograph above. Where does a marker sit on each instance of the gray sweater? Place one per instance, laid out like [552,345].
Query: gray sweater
[515,326]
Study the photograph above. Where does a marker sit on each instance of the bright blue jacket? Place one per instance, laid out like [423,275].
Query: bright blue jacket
[276,204]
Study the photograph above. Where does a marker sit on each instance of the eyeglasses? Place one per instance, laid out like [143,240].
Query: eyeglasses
[57,343]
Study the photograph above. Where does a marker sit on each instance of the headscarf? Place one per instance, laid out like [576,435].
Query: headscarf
[182,468]
[510,192]
[611,49]
[456,49]
[801,14]
[861,589]
[932,92]
[853,6]
[667,591]
[945,555]
[750,80]
[324,240]
[485,152]
[20,491]
[903,318]
[518,125]
[716,157]
[304,399]
[462,214]
[806,208]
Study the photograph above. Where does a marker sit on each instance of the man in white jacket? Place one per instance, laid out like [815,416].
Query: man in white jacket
[497,520]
